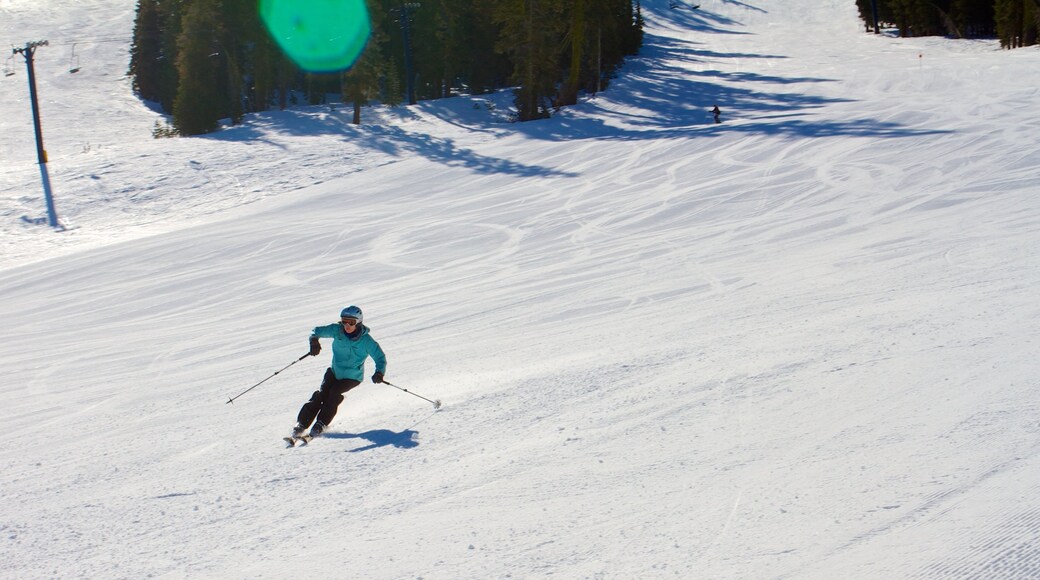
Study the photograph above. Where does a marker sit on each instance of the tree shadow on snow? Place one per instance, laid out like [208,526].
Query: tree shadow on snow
[392,139]
[380,438]
[659,94]
[389,139]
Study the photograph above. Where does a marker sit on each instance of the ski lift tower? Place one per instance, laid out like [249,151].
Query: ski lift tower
[41,154]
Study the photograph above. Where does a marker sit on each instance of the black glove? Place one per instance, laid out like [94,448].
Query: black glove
[315,346]
[378,377]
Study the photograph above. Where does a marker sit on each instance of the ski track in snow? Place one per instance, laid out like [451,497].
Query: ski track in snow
[797,344]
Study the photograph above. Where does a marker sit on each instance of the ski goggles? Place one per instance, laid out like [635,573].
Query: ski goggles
[349,321]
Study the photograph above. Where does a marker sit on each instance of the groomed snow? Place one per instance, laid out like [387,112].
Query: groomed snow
[801,343]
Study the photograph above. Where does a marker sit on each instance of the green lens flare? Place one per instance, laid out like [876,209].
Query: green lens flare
[318,35]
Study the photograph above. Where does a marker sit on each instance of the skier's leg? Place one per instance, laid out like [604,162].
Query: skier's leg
[310,409]
[333,395]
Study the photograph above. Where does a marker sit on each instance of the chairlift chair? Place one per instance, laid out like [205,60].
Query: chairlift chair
[8,70]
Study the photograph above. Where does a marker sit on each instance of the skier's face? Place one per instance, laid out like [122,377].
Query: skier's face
[349,324]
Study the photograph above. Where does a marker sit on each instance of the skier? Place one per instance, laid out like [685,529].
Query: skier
[351,345]
[717,113]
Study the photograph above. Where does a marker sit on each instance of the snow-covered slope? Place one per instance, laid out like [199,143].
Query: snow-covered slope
[797,344]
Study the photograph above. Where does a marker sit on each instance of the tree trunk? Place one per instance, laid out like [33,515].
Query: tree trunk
[569,91]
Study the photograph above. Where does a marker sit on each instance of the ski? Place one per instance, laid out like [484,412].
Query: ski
[302,440]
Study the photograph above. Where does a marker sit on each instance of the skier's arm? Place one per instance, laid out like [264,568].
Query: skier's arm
[325,331]
[320,332]
[376,352]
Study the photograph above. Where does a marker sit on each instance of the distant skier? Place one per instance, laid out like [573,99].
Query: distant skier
[351,345]
[717,113]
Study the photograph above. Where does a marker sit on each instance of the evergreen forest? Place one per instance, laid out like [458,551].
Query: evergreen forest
[1015,22]
[207,60]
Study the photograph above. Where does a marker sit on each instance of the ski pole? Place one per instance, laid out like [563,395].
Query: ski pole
[232,399]
[436,404]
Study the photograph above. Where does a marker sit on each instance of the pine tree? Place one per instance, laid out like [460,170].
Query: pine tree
[198,105]
[153,51]
[1009,16]
[1018,22]
[241,37]
[618,33]
[576,35]
[390,90]
[438,46]
[170,26]
[531,33]
[145,50]
[361,82]
[975,17]
[264,58]
[1031,24]
[481,67]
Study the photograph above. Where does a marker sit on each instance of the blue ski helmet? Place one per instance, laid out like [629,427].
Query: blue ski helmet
[352,312]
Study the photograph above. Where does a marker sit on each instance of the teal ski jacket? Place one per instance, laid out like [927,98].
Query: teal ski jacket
[349,353]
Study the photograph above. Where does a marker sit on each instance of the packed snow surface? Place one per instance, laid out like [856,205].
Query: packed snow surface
[800,343]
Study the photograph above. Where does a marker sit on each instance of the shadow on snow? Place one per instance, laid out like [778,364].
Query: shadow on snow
[660,95]
[380,438]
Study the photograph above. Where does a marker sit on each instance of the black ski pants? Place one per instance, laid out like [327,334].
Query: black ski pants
[326,400]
